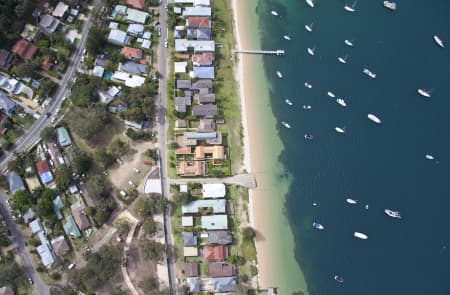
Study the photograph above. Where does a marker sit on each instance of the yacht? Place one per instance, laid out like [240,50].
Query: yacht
[374,118]
[309,27]
[288,102]
[339,130]
[348,42]
[438,41]
[341,102]
[286,125]
[350,8]
[423,92]
[390,5]
[338,279]
[307,85]
[360,235]
[306,107]
[367,207]
[429,157]
[318,226]
[311,50]
[351,201]
[279,75]
[274,13]
[393,214]
[309,136]
[287,37]
[370,73]
[310,3]
[331,94]
[343,60]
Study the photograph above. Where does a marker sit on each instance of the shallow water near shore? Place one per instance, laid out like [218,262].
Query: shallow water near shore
[384,165]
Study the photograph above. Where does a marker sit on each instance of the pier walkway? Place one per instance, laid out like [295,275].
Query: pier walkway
[245,180]
[273,52]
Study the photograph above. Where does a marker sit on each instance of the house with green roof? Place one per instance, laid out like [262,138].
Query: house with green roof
[70,227]
[63,136]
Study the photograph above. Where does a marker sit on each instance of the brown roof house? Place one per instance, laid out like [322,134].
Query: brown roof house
[207,125]
[203,59]
[78,214]
[132,53]
[205,110]
[191,168]
[24,49]
[219,269]
[198,22]
[191,269]
[216,152]
[219,237]
[138,4]
[215,253]
[60,246]
[7,59]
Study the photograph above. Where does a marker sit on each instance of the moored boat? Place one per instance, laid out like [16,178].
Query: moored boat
[309,28]
[374,118]
[438,41]
[369,73]
[310,3]
[360,235]
[351,201]
[309,136]
[393,214]
[348,42]
[279,75]
[339,130]
[341,102]
[429,157]
[274,13]
[311,50]
[287,37]
[307,85]
[287,101]
[318,226]
[338,279]
[424,93]
[331,94]
[390,5]
[306,107]
[286,125]
[350,8]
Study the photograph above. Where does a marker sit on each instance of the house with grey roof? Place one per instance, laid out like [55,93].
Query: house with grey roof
[189,239]
[135,29]
[220,237]
[203,72]
[181,103]
[194,207]
[191,269]
[206,98]
[136,16]
[199,34]
[118,37]
[214,222]
[15,182]
[201,84]
[193,284]
[46,254]
[205,110]
[221,284]
[58,205]
[36,226]
[7,105]
[133,68]
[28,216]
[183,84]
[48,24]
[206,125]
[63,137]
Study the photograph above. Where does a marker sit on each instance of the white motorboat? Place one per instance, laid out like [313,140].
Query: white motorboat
[338,279]
[279,75]
[309,136]
[367,207]
[309,27]
[351,201]
[311,50]
[343,60]
[318,226]
[348,42]
[429,157]
[307,85]
[310,3]
[360,235]
[393,214]
[339,130]
[370,73]
[341,102]
[287,37]
[274,13]
[424,93]
[350,8]
[306,107]
[438,41]
[331,94]
[374,118]
[288,102]
[391,5]
[286,125]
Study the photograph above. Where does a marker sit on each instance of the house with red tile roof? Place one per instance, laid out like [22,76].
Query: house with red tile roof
[219,269]
[24,49]
[215,253]
[198,22]
[44,172]
[203,59]
[131,53]
[138,4]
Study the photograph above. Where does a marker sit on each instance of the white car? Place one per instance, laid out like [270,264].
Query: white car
[166,44]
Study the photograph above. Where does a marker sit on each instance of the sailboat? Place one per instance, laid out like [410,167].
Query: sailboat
[287,37]
[274,13]
[309,27]
[310,3]
[311,50]
[350,8]
[424,92]
[339,130]
[349,42]
[343,60]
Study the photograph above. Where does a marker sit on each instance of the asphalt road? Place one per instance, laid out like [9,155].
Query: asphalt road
[162,136]
[28,139]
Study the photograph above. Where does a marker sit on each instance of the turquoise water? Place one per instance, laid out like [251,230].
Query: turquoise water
[108,75]
[384,165]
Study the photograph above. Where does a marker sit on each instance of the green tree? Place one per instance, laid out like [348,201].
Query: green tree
[45,202]
[25,69]
[11,273]
[118,148]
[82,162]
[63,177]
[150,226]
[22,201]
[88,123]
[180,198]
[248,234]
[4,238]
[151,250]
[123,227]
[95,41]
[48,133]
[149,286]
[144,207]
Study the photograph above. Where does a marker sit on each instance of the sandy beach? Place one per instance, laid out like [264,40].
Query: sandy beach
[274,241]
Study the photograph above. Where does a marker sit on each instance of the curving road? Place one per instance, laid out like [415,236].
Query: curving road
[27,140]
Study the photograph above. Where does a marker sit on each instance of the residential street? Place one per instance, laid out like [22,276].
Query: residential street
[162,136]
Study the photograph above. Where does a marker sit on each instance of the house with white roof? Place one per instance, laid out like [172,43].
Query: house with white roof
[118,37]
[128,79]
[60,9]
[214,222]
[136,16]
[46,254]
[184,45]
[213,190]
[194,207]
[197,11]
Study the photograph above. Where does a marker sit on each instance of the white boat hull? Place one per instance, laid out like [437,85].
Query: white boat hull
[374,118]
[351,201]
[331,94]
[360,235]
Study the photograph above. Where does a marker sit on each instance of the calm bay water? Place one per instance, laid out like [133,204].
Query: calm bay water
[380,165]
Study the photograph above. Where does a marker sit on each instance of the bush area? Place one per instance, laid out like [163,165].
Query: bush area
[13,16]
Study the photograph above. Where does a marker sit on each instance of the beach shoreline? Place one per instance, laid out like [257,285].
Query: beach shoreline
[274,240]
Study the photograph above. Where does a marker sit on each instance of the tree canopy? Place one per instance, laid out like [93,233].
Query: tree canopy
[95,41]
[140,102]
[88,122]
[13,16]
[22,201]
[63,177]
